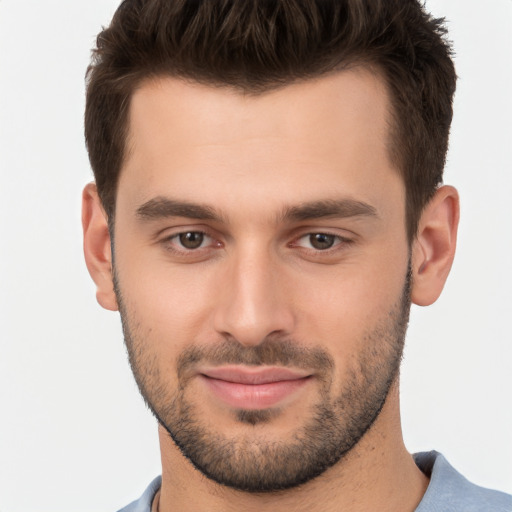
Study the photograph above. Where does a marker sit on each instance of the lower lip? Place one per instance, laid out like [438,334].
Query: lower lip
[253,396]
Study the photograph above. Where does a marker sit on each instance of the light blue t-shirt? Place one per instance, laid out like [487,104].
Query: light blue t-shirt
[448,491]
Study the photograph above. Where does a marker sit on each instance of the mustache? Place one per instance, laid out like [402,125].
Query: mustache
[270,352]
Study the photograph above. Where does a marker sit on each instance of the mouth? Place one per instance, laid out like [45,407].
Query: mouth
[253,388]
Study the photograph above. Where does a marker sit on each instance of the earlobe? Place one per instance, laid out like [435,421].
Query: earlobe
[97,248]
[434,247]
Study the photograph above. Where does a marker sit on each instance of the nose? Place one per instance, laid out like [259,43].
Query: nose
[252,302]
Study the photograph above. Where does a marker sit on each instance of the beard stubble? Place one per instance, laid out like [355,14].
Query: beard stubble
[331,428]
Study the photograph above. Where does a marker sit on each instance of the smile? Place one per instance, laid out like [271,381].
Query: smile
[253,389]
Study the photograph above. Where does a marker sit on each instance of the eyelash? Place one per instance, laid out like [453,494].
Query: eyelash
[338,240]
[170,245]
[173,244]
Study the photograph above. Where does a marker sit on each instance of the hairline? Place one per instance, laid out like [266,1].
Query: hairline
[353,64]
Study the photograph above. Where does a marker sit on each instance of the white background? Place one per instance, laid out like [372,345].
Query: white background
[74,434]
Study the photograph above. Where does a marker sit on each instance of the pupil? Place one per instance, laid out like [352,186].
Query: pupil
[191,240]
[322,241]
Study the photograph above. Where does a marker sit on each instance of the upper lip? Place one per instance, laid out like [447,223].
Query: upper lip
[254,376]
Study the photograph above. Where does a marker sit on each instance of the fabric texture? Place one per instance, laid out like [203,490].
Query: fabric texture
[448,491]
[143,504]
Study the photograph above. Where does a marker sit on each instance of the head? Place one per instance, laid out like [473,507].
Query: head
[258,46]
[267,182]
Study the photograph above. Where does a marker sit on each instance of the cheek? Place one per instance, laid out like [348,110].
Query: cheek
[354,302]
[170,306]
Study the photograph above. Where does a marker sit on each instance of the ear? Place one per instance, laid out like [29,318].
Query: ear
[97,248]
[434,248]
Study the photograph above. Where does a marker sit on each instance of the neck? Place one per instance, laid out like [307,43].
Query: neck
[377,474]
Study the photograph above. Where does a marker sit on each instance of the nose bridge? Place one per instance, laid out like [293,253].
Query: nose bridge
[252,303]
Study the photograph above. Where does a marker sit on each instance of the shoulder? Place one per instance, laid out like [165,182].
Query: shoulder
[449,491]
[143,504]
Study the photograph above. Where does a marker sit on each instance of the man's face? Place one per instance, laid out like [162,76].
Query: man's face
[261,268]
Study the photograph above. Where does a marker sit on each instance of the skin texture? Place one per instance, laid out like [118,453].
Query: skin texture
[252,459]
[262,174]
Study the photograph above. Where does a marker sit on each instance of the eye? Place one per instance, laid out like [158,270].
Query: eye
[320,241]
[190,246]
[191,240]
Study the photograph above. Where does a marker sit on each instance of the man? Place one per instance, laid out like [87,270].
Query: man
[267,203]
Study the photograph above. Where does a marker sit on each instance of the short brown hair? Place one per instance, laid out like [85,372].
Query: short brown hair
[258,45]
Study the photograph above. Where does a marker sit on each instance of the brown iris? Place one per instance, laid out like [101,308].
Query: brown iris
[191,239]
[321,241]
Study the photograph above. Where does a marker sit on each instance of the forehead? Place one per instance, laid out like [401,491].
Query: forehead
[293,142]
[357,97]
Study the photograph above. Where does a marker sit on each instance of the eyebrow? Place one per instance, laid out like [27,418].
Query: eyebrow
[338,208]
[163,207]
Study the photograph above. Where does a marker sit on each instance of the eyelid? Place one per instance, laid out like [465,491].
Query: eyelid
[340,243]
[170,235]
[167,239]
